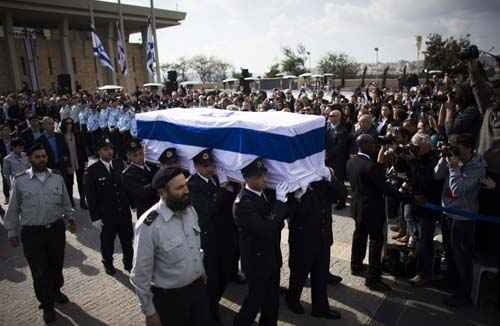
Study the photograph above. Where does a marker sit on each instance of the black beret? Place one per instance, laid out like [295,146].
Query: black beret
[204,157]
[133,145]
[256,168]
[164,175]
[103,142]
[35,147]
[169,156]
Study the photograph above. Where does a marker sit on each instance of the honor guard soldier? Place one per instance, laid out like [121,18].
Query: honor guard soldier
[39,206]
[137,178]
[168,273]
[204,189]
[169,158]
[259,216]
[109,204]
[310,237]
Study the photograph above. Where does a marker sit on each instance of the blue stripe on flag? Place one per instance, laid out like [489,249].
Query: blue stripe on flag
[245,141]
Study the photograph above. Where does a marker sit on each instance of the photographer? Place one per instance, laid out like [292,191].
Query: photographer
[425,188]
[462,170]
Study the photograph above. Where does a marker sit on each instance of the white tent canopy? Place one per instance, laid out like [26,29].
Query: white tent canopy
[289,77]
[306,74]
[110,88]
[153,85]
[230,80]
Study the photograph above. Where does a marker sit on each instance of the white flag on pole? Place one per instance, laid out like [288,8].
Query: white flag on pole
[150,50]
[120,51]
[99,50]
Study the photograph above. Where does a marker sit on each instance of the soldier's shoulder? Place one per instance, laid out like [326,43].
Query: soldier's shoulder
[148,218]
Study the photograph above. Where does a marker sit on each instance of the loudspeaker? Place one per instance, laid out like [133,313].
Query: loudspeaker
[64,83]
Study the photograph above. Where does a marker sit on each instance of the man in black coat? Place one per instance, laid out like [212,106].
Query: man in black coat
[205,195]
[259,218]
[310,239]
[138,177]
[368,185]
[108,202]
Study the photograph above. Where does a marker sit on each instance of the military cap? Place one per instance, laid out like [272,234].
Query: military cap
[133,145]
[169,156]
[164,175]
[205,157]
[254,169]
[103,142]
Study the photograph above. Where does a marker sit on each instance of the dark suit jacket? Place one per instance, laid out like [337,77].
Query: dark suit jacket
[259,223]
[310,221]
[106,197]
[137,184]
[338,146]
[368,186]
[62,149]
[204,197]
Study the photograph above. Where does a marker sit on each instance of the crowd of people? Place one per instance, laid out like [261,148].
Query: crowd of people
[420,158]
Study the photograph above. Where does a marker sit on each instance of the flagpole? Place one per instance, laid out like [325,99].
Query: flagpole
[153,22]
[122,30]
[92,24]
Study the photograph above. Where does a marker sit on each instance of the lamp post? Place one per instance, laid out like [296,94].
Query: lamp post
[376,55]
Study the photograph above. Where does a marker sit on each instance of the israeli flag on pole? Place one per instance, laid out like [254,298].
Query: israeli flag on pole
[150,51]
[99,50]
[120,50]
[292,145]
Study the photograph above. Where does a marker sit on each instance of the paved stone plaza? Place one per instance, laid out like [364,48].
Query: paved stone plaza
[99,299]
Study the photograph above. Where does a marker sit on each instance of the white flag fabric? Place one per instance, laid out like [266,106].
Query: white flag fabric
[292,145]
[120,52]
[100,52]
[150,51]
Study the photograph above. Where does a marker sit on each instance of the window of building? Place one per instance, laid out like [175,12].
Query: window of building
[75,71]
[51,69]
[133,64]
[23,66]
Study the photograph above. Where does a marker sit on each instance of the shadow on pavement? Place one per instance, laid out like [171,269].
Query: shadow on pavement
[11,260]
[124,279]
[72,314]
[76,258]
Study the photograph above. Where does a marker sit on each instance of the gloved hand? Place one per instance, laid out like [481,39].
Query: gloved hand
[281,191]
[97,224]
[326,173]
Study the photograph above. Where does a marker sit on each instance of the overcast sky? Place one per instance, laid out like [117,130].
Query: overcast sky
[251,33]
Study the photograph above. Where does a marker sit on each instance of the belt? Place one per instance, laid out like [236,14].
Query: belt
[43,227]
[158,290]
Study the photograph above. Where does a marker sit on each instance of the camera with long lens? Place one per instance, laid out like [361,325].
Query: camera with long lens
[446,149]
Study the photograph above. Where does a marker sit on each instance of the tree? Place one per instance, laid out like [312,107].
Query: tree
[444,54]
[341,65]
[209,69]
[294,61]
[181,66]
[273,71]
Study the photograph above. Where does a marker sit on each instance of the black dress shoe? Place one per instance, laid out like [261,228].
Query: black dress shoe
[61,298]
[329,314]
[294,306]
[49,315]
[110,269]
[378,286]
[333,279]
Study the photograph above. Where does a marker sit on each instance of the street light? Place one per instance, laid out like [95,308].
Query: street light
[376,54]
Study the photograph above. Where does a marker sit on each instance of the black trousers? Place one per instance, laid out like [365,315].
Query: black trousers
[186,306]
[109,232]
[462,241]
[373,228]
[6,187]
[44,250]
[316,263]
[217,277]
[426,226]
[263,297]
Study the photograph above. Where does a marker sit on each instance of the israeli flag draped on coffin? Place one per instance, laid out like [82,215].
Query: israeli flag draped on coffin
[292,145]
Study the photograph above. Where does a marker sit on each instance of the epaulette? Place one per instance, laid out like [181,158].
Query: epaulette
[151,217]
[126,169]
[20,174]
